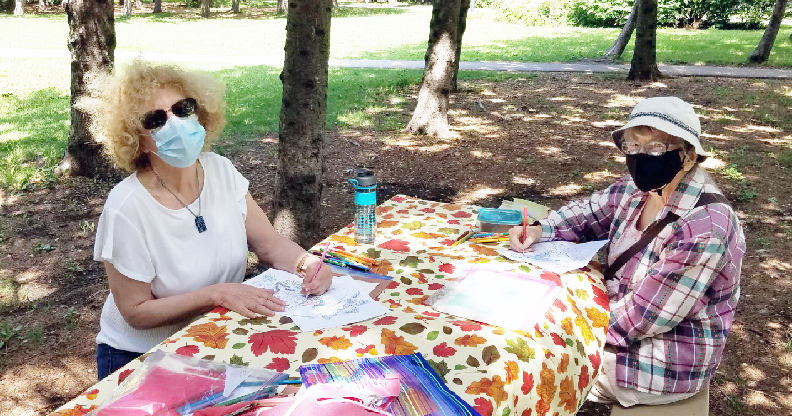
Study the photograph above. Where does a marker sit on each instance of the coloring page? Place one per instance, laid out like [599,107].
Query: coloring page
[345,302]
[557,256]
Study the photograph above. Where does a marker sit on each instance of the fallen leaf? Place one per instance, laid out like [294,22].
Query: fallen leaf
[344,239]
[521,349]
[396,245]
[309,354]
[467,326]
[568,395]
[546,390]
[188,350]
[329,360]
[528,383]
[598,318]
[562,366]
[355,330]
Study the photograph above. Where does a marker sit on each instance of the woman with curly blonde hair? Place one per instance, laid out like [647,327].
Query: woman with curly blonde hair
[174,235]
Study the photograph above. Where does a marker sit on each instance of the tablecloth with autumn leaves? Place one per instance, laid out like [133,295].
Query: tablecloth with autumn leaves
[547,370]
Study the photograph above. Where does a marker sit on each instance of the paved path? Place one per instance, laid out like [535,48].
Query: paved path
[592,67]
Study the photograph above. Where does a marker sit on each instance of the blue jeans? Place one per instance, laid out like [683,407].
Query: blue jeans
[109,359]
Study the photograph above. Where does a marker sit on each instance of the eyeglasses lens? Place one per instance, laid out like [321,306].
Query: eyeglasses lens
[158,118]
[654,148]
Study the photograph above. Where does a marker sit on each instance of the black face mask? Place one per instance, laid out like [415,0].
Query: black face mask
[654,172]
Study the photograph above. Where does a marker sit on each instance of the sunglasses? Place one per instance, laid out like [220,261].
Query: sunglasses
[158,118]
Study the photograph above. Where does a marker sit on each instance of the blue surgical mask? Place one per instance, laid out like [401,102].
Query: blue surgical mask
[179,141]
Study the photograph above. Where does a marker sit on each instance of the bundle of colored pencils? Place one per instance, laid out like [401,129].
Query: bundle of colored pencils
[349,260]
[489,237]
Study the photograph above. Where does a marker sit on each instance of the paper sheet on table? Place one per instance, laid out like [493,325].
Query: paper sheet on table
[535,211]
[508,300]
[557,256]
[344,303]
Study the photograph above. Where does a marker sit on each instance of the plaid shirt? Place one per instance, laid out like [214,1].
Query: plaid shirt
[673,303]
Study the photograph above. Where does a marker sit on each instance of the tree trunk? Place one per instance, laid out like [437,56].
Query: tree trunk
[618,47]
[644,62]
[205,12]
[157,6]
[283,6]
[234,6]
[431,113]
[762,51]
[42,5]
[127,8]
[19,8]
[298,194]
[92,44]
[461,25]
[335,3]
[138,4]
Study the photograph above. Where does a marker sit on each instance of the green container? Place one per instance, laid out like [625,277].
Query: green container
[494,220]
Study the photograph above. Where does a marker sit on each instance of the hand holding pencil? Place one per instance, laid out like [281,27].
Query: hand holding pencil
[521,237]
[317,278]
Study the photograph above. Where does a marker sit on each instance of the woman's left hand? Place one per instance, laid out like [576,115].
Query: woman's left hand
[319,284]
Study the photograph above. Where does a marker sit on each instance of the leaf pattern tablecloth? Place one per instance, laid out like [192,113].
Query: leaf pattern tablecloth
[545,371]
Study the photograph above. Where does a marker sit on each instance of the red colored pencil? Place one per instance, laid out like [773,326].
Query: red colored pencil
[525,223]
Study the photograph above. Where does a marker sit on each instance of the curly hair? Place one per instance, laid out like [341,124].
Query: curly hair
[117,104]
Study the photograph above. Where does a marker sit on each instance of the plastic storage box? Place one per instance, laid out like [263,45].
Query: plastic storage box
[495,220]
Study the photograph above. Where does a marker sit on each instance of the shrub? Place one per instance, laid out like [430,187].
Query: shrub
[598,13]
[531,12]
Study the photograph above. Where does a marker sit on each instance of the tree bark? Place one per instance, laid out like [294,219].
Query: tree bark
[92,44]
[762,51]
[205,11]
[621,42]
[127,8]
[19,7]
[234,6]
[283,6]
[42,5]
[644,62]
[157,6]
[431,113]
[298,194]
[461,25]
[138,4]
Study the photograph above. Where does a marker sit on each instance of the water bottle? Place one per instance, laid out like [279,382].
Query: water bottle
[365,205]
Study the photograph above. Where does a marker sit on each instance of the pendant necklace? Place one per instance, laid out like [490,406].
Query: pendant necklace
[199,221]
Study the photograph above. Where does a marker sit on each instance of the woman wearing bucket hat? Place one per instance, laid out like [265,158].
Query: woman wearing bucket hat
[672,264]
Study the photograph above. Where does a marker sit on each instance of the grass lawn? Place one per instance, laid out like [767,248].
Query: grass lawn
[393,33]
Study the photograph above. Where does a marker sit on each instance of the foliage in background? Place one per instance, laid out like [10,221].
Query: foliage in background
[742,14]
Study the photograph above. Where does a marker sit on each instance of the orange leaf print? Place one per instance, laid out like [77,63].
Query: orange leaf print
[479,260]
[598,318]
[423,234]
[419,301]
[415,225]
[329,360]
[562,366]
[383,267]
[91,395]
[585,329]
[344,239]
[484,250]
[566,324]
[387,224]
[568,395]
[498,331]
[336,343]
[451,207]
[211,335]
[512,371]
[470,341]
[546,390]
[396,345]
[492,388]
[78,410]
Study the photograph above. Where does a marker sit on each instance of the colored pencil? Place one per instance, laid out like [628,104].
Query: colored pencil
[356,257]
[324,254]
[525,224]
[488,239]
[469,234]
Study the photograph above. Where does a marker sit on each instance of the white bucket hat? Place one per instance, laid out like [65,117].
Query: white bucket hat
[668,114]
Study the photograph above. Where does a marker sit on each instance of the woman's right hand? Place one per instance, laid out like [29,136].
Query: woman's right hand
[516,242]
[245,300]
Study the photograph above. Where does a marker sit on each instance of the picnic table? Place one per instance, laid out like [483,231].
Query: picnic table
[547,370]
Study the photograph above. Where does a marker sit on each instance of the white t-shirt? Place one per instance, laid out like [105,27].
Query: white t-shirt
[148,242]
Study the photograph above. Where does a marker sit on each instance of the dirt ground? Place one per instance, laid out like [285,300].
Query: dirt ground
[545,138]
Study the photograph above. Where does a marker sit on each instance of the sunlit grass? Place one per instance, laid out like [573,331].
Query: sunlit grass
[385,32]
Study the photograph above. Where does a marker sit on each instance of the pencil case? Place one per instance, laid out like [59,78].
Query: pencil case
[496,220]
